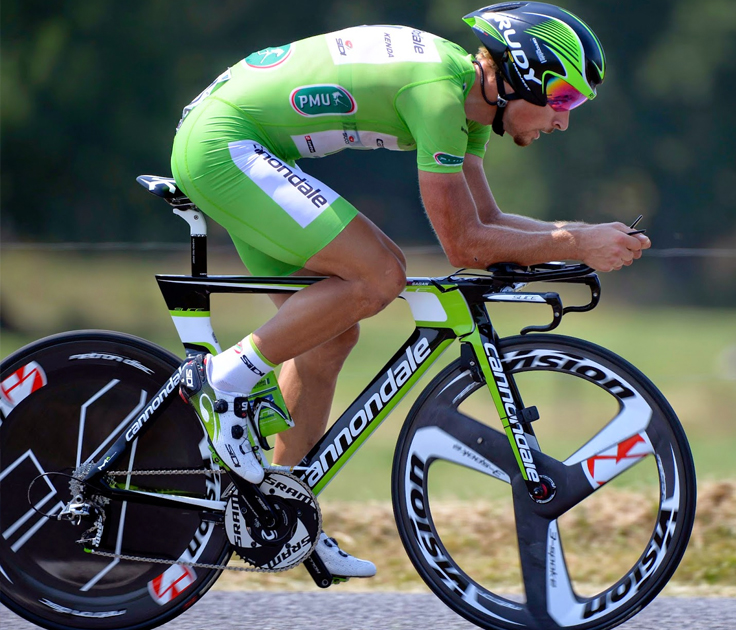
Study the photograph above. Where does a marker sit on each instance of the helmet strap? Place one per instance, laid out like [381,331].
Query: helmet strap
[501,102]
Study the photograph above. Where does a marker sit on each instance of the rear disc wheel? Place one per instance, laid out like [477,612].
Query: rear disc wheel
[65,399]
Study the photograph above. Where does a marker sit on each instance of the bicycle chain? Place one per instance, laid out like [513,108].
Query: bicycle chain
[194,565]
[185,471]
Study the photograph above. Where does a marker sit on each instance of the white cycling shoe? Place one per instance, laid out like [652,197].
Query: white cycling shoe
[341,564]
[230,436]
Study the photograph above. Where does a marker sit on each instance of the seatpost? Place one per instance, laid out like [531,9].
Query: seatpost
[198,234]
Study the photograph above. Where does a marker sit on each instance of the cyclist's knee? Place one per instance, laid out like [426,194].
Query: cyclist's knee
[382,287]
[395,280]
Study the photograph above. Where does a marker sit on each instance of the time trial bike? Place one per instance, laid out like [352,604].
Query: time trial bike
[115,512]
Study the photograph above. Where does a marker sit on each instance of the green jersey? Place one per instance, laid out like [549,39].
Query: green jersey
[366,87]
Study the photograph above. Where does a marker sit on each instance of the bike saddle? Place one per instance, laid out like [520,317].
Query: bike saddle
[164,187]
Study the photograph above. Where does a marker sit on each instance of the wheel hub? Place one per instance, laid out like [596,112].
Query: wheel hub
[544,491]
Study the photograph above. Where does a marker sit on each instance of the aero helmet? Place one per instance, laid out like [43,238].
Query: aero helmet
[542,51]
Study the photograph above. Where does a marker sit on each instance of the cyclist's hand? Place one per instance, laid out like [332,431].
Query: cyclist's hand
[608,246]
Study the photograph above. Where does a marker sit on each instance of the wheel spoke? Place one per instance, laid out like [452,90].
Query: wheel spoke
[451,435]
[633,419]
[532,537]
[545,576]
[587,475]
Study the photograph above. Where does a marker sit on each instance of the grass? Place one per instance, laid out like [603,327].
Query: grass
[602,541]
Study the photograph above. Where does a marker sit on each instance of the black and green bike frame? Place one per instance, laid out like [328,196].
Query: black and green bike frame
[444,309]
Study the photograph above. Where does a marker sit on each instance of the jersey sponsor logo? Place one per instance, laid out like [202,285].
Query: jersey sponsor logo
[321,143]
[300,183]
[323,100]
[447,159]
[389,47]
[381,45]
[419,45]
[343,46]
[269,57]
[301,196]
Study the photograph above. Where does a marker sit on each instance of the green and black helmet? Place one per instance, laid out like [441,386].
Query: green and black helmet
[548,55]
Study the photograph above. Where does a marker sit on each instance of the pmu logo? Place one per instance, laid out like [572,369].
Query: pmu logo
[323,100]
[269,57]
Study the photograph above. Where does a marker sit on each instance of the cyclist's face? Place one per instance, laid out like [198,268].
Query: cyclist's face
[524,121]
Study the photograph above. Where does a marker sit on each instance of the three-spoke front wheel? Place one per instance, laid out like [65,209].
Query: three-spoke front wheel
[610,433]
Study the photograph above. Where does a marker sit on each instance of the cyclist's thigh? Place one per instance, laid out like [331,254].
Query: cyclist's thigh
[362,252]
[258,263]
[266,204]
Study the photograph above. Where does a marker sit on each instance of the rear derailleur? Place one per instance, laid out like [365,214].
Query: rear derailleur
[82,508]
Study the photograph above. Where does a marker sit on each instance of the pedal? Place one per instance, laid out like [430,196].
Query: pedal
[317,569]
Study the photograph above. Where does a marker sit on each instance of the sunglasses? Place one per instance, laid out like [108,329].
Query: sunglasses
[562,97]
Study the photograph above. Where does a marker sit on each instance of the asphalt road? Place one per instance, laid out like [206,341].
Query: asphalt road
[393,611]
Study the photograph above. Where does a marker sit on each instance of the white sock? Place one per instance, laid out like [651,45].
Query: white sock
[238,369]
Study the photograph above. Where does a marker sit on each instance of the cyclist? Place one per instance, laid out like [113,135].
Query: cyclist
[371,87]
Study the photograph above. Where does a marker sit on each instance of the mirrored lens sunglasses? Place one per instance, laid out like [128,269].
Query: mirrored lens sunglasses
[562,97]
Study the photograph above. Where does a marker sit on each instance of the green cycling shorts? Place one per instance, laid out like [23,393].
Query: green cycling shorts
[277,216]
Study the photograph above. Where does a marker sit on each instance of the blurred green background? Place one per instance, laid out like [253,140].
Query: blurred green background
[92,92]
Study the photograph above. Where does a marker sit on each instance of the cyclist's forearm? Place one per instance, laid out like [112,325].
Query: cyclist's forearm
[528,224]
[489,244]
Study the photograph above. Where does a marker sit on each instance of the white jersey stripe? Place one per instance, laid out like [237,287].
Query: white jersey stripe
[302,196]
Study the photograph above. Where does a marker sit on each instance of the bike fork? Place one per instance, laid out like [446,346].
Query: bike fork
[515,418]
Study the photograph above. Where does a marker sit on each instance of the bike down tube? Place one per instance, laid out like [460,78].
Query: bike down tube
[375,403]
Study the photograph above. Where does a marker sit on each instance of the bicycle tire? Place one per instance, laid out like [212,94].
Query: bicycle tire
[65,399]
[436,430]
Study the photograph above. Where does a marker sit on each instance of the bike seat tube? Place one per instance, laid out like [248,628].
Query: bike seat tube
[198,235]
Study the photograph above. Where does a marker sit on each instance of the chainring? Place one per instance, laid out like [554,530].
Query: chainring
[299,523]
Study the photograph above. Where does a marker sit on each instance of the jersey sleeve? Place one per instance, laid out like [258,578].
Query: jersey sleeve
[434,113]
[478,137]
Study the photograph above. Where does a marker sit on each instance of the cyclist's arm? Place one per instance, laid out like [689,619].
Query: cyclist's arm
[470,242]
[488,209]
